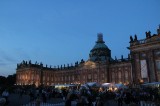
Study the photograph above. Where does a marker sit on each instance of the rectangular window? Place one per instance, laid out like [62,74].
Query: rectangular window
[95,76]
[69,78]
[73,77]
[43,78]
[89,76]
[84,77]
[62,78]
[144,70]
[102,75]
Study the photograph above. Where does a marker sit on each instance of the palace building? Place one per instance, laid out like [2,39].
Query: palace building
[141,65]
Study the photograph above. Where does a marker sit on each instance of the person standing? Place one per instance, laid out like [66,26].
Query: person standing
[5,94]
[38,100]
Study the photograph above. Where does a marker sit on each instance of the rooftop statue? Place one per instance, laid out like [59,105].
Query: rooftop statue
[30,62]
[131,39]
[148,34]
[64,66]
[135,37]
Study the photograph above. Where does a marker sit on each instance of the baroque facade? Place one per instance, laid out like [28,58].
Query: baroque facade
[141,65]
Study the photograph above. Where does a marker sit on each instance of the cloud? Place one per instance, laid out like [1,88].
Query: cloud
[6,58]
[3,64]
[7,63]
[21,53]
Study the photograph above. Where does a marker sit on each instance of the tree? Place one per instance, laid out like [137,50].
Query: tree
[11,79]
[3,80]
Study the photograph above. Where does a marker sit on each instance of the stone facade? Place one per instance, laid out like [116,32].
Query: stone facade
[142,65]
[145,56]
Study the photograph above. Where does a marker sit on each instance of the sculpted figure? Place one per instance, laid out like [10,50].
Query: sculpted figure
[135,37]
[30,62]
[131,39]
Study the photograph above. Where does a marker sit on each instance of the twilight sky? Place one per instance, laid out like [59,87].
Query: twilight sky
[58,32]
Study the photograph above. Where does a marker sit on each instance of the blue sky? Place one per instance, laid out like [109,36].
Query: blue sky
[58,32]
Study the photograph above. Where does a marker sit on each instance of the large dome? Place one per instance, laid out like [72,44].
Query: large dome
[99,45]
[100,51]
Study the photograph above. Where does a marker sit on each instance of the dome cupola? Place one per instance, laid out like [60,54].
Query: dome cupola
[100,51]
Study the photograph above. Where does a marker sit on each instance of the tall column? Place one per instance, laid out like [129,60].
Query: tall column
[151,67]
[136,72]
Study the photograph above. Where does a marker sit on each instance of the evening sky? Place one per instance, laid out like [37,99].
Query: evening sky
[58,32]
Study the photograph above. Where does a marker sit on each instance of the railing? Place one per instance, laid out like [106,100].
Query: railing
[143,41]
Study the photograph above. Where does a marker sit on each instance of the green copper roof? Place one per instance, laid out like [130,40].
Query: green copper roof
[100,50]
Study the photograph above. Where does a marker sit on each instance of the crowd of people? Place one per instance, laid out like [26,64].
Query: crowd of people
[86,96]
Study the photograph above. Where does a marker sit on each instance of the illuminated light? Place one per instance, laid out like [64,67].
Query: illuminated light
[141,81]
[115,89]
[100,89]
